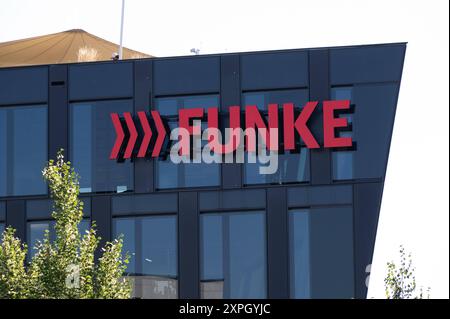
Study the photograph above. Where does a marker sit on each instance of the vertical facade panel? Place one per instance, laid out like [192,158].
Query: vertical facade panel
[319,91]
[331,252]
[188,246]
[143,167]
[230,95]
[57,111]
[2,211]
[277,243]
[367,200]
[101,215]
[15,217]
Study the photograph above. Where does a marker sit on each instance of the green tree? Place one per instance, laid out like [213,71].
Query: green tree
[66,267]
[400,281]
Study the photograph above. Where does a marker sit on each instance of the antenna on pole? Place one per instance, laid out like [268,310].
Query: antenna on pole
[121,31]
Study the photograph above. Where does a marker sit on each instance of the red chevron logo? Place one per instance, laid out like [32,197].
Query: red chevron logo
[129,130]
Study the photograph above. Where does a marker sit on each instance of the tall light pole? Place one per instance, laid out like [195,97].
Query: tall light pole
[121,31]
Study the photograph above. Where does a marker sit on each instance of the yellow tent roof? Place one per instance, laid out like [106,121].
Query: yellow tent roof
[59,47]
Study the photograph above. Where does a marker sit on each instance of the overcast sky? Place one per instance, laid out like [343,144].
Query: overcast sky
[415,207]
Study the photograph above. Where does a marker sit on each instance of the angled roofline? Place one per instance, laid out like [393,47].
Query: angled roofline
[215,54]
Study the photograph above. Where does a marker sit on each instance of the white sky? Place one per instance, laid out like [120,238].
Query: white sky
[415,207]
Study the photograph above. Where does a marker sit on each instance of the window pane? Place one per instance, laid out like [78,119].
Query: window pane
[23,150]
[152,244]
[343,160]
[332,254]
[127,228]
[170,175]
[212,248]
[2,228]
[84,226]
[92,137]
[36,231]
[342,164]
[292,167]
[374,106]
[159,255]
[233,255]
[299,254]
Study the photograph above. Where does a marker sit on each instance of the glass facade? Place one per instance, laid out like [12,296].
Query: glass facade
[92,137]
[233,255]
[2,228]
[151,243]
[292,167]
[23,150]
[36,232]
[170,175]
[210,230]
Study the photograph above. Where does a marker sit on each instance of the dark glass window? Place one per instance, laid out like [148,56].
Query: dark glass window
[171,175]
[299,262]
[92,137]
[372,122]
[233,255]
[343,161]
[23,150]
[151,242]
[331,252]
[292,167]
[321,252]
[36,232]
[2,218]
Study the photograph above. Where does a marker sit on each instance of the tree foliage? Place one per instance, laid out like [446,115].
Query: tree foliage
[66,267]
[400,281]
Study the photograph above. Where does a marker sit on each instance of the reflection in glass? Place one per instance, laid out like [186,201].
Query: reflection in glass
[233,255]
[170,175]
[23,150]
[92,137]
[343,160]
[299,254]
[36,232]
[2,228]
[292,167]
[151,243]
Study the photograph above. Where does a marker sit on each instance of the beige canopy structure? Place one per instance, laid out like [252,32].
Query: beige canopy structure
[64,47]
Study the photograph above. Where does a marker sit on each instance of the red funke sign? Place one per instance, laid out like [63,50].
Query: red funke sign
[144,135]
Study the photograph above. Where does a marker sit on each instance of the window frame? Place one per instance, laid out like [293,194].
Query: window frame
[169,118]
[44,105]
[226,212]
[138,246]
[300,143]
[70,131]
